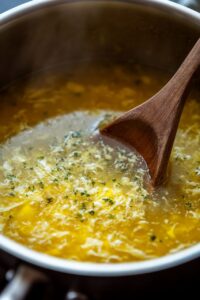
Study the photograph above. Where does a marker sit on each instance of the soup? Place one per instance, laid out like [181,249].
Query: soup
[66,195]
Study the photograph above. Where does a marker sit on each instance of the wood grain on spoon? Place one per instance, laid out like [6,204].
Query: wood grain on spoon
[150,128]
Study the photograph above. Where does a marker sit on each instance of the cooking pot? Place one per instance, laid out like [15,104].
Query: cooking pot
[45,34]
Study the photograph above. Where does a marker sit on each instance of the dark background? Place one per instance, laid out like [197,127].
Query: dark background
[7,4]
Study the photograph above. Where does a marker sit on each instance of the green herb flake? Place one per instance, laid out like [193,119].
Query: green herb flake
[12,194]
[108,200]
[197,171]
[49,200]
[40,157]
[31,188]
[85,193]
[83,206]
[41,185]
[76,134]
[153,237]
[188,205]
[11,177]
[55,180]
[110,216]
[76,154]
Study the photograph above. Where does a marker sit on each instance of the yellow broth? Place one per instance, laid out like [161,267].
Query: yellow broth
[67,196]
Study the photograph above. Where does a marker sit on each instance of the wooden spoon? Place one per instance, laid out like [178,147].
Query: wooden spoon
[151,127]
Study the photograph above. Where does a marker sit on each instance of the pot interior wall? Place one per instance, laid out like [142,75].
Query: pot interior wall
[74,32]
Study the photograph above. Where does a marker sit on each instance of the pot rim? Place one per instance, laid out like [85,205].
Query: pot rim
[98,269]
[86,268]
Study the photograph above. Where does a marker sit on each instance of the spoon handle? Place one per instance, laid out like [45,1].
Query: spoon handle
[188,67]
[178,85]
[168,103]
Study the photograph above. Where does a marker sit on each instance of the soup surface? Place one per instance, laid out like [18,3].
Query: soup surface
[65,195]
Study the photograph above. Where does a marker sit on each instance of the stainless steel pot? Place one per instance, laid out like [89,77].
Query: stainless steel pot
[44,34]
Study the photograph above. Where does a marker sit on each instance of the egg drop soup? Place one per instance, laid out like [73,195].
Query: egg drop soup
[63,194]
